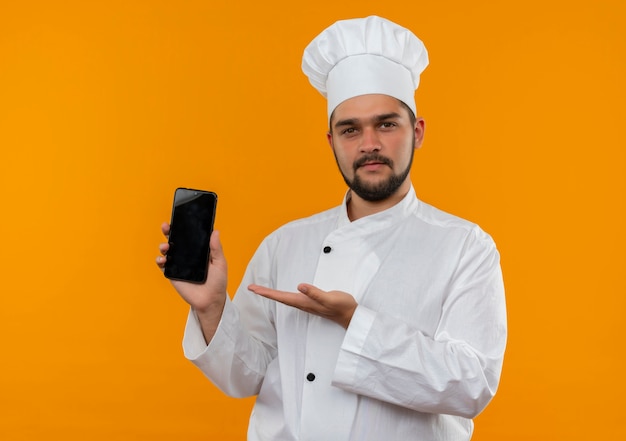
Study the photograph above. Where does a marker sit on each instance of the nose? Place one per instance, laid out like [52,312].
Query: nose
[370,141]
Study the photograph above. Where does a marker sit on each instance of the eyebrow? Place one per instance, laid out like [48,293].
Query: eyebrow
[376,119]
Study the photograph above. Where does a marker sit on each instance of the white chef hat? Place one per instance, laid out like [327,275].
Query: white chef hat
[363,56]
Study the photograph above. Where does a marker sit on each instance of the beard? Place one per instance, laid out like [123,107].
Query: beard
[374,192]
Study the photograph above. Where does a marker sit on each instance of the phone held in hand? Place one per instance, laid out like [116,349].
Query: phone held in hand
[193,216]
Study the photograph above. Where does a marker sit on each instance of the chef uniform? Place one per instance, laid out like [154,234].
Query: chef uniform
[423,352]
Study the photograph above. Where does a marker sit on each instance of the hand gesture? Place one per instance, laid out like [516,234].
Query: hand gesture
[208,298]
[337,306]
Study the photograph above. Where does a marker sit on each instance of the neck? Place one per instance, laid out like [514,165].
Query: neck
[358,207]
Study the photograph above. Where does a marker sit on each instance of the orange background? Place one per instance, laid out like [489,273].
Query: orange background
[107,106]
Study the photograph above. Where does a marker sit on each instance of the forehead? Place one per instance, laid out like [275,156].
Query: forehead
[368,106]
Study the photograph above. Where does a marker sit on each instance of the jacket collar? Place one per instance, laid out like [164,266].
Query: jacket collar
[383,219]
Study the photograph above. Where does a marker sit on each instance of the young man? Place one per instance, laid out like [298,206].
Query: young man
[382,318]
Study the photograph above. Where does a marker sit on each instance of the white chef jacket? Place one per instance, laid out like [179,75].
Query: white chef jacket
[422,354]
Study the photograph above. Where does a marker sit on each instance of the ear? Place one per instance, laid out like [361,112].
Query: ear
[420,126]
[329,138]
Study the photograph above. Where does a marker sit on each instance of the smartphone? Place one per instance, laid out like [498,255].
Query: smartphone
[193,216]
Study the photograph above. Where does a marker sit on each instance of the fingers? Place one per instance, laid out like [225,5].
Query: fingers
[262,291]
[309,292]
[337,306]
[160,261]
[163,247]
[296,300]
[287,298]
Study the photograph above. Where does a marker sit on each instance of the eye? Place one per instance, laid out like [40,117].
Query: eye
[388,125]
[349,131]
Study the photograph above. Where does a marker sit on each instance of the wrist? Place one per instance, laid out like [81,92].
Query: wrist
[209,317]
[211,310]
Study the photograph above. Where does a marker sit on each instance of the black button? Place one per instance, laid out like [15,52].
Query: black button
[310,376]
[327,249]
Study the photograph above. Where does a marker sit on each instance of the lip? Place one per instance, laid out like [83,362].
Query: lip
[372,165]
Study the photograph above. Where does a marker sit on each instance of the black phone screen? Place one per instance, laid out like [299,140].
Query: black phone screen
[191,226]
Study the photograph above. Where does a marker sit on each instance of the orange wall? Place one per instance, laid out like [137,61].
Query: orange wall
[107,106]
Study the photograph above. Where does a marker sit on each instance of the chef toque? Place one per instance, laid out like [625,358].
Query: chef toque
[363,56]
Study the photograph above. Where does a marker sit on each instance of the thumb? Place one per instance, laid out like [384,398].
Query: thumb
[217,254]
[310,291]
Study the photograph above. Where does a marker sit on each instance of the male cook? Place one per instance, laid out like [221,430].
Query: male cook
[380,319]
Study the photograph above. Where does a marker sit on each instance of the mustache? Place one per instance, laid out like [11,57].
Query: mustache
[372,157]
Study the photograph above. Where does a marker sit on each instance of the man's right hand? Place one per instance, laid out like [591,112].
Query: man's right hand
[206,299]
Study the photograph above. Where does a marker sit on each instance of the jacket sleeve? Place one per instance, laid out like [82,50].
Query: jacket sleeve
[457,370]
[237,357]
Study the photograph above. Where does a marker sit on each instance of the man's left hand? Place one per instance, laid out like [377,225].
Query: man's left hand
[337,306]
